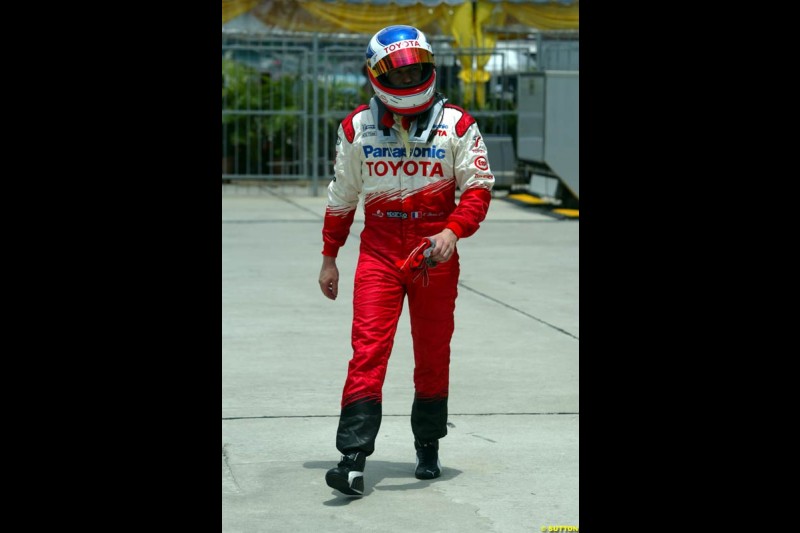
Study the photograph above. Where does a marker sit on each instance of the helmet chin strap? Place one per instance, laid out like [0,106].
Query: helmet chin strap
[425,119]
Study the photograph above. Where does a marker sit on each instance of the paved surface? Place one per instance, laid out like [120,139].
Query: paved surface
[510,460]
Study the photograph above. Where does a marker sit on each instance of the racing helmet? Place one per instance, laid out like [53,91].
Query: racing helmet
[396,47]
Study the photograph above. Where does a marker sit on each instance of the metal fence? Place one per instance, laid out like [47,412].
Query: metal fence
[283,98]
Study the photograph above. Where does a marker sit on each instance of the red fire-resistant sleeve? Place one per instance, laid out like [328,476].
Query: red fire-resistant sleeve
[335,230]
[470,212]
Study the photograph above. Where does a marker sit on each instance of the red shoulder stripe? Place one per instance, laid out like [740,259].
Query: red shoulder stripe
[347,123]
[464,122]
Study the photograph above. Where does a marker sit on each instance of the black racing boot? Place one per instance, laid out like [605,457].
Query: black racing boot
[348,477]
[428,465]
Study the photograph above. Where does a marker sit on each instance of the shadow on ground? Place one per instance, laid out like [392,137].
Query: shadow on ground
[376,472]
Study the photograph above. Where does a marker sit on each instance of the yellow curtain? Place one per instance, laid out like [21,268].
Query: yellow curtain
[462,30]
[550,16]
[233,8]
[287,15]
[483,13]
[369,18]
[313,15]
[465,22]
[467,30]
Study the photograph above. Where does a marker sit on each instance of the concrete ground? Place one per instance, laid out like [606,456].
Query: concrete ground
[510,460]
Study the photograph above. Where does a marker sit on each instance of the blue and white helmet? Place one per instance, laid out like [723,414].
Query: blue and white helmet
[400,46]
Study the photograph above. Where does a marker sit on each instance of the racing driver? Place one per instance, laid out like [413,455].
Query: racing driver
[404,154]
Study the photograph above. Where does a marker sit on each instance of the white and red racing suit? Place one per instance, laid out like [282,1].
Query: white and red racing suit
[409,193]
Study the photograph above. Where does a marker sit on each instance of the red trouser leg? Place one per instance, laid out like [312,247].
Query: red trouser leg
[432,310]
[379,291]
[377,304]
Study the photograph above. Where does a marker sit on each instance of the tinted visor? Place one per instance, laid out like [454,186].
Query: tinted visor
[401,58]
